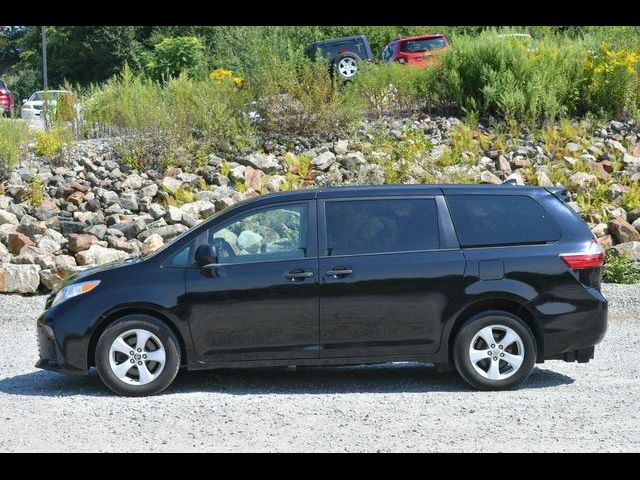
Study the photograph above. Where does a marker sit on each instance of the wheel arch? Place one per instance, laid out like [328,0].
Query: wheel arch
[508,305]
[111,317]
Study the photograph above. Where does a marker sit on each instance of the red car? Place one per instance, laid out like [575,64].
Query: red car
[420,51]
[7,104]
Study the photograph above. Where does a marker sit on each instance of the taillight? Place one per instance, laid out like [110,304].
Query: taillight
[592,258]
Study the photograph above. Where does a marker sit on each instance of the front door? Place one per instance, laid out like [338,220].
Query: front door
[261,300]
[386,283]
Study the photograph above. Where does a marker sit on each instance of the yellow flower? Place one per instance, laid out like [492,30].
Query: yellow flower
[238,81]
[219,74]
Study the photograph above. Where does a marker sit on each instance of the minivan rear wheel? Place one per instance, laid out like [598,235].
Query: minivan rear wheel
[137,355]
[494,351]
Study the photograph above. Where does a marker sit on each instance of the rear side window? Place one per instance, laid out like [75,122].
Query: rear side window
[381,226]
[482,220]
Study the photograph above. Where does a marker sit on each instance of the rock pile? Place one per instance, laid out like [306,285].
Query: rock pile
[56,219]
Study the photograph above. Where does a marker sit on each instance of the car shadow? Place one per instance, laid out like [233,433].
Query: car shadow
[383,378]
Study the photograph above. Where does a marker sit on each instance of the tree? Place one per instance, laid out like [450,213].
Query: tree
[9,48]
[172,56]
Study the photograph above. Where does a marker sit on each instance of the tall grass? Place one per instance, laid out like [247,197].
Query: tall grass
[506,78]
[480,76]
[182,113]
[298,96]
[13,138]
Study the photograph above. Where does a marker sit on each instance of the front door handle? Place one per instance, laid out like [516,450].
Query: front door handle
[294,274]
[338,272]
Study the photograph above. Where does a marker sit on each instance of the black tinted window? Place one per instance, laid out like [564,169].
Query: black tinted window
[377,226]
[501,220]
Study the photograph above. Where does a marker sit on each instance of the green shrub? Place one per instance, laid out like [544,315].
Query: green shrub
[503,77]
[181,196]
[297,96]
[618,269]
[35,191]
[66,107]
[394,88]
[612,81]
[187,118]
[461,149]
[172,56]
[13,138]
[49,144]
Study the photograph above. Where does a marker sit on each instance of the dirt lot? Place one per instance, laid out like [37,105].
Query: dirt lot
[400,407]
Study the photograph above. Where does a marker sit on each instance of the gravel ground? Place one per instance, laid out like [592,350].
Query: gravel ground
[399,407]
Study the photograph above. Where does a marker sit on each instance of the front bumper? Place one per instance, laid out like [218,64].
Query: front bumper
[65,357]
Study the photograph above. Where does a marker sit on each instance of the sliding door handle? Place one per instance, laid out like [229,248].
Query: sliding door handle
[294,274]
[338,272]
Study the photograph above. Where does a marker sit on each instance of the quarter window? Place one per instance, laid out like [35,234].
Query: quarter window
[274,233]
[381,226]
[482,220]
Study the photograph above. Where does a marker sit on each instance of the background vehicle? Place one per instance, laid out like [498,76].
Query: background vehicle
[343,53]
[32,108]
[7,101]
[419,51]
[489,278]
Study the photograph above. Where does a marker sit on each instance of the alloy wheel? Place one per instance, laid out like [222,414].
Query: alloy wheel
[347,67]
[137,357]
[496,352]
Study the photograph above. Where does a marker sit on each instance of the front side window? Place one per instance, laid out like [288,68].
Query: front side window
[381,226]
[272,233]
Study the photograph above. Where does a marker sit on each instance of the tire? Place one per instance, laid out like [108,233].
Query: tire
[346,66]
[158,359]
[514,346]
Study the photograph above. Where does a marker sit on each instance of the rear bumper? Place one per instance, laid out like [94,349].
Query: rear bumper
[572,321]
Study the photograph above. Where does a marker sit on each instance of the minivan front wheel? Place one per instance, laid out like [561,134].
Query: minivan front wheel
[494,351]
[137,355]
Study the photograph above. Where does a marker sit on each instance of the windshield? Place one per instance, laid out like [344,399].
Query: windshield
[39,96]
[423,45]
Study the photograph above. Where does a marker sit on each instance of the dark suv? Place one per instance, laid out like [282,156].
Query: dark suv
[489,279]
[343,54]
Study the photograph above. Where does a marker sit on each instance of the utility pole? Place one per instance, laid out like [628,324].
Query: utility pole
[45,110]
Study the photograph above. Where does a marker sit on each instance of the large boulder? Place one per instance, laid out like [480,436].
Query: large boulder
[166,232]
[51,279]
[19,278]
[17,240]
[152,243]
[79,242]
[622,231]
[98,255]
[8,217]
[323,161]
[265,162]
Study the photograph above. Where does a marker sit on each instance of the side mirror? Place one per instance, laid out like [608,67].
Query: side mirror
[24,100]
[206,255]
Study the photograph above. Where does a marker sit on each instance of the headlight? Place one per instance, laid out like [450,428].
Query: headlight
[74,290]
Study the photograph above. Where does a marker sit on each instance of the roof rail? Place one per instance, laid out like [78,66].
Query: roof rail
[510,181]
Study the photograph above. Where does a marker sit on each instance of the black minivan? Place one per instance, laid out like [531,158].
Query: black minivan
[487,278]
